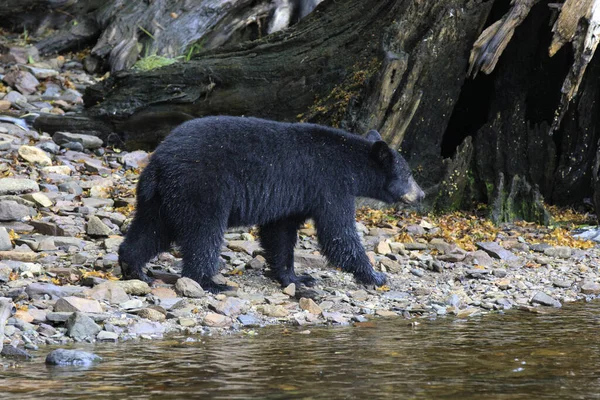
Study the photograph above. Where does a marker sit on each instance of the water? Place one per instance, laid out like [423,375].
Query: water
[513,356]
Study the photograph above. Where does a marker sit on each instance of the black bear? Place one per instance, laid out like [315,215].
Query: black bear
[217,172]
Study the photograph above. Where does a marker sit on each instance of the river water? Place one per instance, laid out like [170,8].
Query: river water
[517,355]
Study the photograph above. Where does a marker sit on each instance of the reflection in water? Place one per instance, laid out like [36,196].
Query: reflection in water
[513,356]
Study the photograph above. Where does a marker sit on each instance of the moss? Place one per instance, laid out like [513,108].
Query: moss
[331,109]
[153,62]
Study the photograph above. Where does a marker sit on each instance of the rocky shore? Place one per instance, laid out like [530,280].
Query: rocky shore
[66,201]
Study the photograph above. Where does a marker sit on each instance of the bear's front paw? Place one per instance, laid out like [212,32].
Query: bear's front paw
[135,274]
[374,278]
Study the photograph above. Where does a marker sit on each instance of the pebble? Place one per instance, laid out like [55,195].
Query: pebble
[189,288]
[545,300]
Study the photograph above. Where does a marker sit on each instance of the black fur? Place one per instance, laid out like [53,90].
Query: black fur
[218,172]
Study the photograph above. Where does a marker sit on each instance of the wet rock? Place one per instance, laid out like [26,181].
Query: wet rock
[590,288]
[14,352]
[87,141]
[216,320]
[73,304]
[134,287]
[544,299]
[558,252]
[95,227]
[310,306]
[17,186]
[34,155]
[81,327]
[189,288]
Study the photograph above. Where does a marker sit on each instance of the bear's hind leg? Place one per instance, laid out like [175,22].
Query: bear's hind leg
[146,238]
[336,232]
[278,239]
[201,247]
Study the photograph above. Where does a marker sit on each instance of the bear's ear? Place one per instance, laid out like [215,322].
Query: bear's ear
[382,153]
[373,135]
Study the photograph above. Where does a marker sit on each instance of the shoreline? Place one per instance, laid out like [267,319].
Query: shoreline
[66,201]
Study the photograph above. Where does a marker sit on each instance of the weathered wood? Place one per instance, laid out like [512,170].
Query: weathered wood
[493,40]
[285,74]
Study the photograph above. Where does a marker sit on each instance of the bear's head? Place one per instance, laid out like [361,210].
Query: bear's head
[399,185]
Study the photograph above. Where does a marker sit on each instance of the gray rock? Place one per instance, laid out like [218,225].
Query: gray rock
[16,98]
[135,159]
[134,287]
[189,288]
[81,327]
[558,251]
[59,317]
[13,211]
[562,283]
[417,272]
[72,96]
[95,227]
[71,357]
[497,251]
[42,73]
[70,187]
[50,147]
[17,186]
[147,328]
[75,146]
[539,247]
[5,243]
[248,320]
[590,288]
[231,306]
[23,81]
[107,336]
[87,141]
[96,202]
[415,246]
[545,300]
[40,289]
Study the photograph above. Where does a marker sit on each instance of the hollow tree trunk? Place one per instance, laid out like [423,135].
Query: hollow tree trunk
[356,64]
